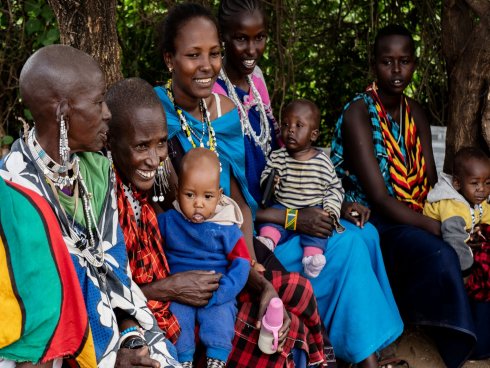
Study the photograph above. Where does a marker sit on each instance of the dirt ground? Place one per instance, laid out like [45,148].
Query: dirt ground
[419,351]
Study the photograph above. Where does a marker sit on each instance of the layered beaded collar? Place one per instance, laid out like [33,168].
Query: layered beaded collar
[50,168]
[188,130]
[263,140]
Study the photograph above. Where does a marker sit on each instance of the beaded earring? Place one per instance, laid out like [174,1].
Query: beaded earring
[161,181]
[64,148]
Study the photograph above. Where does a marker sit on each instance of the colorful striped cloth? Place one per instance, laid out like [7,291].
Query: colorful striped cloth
[43,314]
[397,149]
[407,164]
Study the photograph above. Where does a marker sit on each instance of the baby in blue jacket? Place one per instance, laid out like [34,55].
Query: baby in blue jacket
[203,233]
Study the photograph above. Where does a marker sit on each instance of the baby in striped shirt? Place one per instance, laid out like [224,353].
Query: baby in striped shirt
[304,177]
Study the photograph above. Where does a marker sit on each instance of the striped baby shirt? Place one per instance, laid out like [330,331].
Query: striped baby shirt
[305,183]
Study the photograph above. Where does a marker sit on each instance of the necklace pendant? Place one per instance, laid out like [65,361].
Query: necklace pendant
[161,198]
[154,198]
[201,144]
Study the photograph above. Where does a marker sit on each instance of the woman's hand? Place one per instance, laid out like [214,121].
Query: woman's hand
[135,358]
[193,288]
[431,225]
[355,213]
[268,292]
[314,221]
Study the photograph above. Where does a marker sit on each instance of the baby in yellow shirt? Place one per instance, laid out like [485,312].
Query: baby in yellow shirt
[460,202]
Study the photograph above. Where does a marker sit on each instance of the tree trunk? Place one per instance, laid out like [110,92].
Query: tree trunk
[465,35]
[90,25]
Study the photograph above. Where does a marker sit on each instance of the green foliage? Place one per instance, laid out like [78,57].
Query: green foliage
[25,26]
[323,50]
[317,49]
[136,21]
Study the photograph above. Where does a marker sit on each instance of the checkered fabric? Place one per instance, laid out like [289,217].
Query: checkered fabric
[306,331]
[478,284]
[146,258]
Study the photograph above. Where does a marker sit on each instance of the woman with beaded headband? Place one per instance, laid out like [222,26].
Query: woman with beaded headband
[352,256]
[191,49]
[64,89]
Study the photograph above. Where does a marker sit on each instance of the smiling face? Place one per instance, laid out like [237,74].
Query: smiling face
[474,181]
[245,42]
[141,146]
[199,190]
[299,127]
[197,59]
[394,63]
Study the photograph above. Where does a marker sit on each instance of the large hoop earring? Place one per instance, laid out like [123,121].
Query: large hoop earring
[161,181]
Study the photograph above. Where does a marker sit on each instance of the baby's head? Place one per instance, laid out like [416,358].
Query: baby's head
[471,174]
[198,193]
[300,125]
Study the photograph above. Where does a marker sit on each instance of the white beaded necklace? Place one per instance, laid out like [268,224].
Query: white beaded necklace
[472,212]
[51,169]
[263,140]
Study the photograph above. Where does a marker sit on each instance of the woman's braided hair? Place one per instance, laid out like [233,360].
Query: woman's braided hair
[229,9]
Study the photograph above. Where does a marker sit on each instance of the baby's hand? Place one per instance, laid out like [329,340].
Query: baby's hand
[277,179]
[476,238]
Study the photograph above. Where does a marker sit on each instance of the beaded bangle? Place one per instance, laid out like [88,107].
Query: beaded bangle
[291,219]
[129,329]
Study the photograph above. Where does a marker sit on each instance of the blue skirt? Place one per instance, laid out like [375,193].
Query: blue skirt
[428,287]
[353,293]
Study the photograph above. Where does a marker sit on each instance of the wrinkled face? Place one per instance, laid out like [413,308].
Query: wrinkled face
[88,115]
[394,64]
[199,193]
[140,147]
[474,185]
[245,42]
[298,129]
[197,59]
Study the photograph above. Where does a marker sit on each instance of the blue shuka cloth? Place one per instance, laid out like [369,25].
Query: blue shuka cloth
[354,296]
[254,157]
[230,144]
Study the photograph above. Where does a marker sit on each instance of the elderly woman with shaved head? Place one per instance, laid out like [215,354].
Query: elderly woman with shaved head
[64,89]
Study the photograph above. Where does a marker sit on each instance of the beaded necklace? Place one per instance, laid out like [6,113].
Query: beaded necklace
[51,169]
[263,140]
[472,211]
[188,130]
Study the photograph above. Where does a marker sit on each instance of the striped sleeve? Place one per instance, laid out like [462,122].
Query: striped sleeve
[274,161]
[333,195]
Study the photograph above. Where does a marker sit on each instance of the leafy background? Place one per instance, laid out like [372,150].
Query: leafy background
[317,49]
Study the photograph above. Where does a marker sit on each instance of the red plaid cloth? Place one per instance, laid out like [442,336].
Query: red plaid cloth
[478,284]
[146,258]
[306,331]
